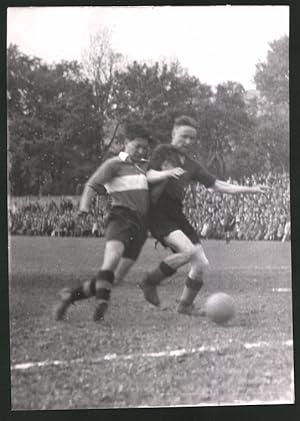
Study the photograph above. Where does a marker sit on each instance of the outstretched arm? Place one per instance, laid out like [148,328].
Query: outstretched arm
[224,187]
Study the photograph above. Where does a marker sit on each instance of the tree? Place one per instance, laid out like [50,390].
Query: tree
[272,77]
[224,125]
[52,125]
[271,135]
[272,82]
[100,63]
[156,94]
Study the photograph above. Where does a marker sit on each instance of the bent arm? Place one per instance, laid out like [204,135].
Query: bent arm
[95,185]
[86,198]
[224,187]
[154,176]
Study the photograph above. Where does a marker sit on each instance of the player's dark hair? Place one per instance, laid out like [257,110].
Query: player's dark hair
[135,130]
[185,120]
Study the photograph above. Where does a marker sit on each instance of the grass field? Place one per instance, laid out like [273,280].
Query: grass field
[142,356]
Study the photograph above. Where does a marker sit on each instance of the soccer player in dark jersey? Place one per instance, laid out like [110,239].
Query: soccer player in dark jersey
[124,177]
[168,223]
[228,223]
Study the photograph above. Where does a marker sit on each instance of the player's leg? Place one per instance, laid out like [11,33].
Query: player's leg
[194,281]
[122,270]
[183,250]
[116,234]
[113,252]
[131,233]
[69,296]
[199,264]
[103,280]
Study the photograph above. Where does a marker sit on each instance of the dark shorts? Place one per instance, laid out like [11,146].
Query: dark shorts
[128,227]
[163,221]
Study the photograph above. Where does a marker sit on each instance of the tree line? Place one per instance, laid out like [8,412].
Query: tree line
[65,118]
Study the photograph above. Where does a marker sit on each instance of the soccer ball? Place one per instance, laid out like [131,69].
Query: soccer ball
[219,307]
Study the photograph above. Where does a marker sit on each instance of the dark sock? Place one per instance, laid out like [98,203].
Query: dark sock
[103,284]
[86,290]
[190,291]
[160,273]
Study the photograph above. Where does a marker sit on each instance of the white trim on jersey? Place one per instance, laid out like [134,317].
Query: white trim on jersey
[127,183]
[123,156]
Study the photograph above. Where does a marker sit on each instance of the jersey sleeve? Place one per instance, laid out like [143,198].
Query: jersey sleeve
[158,157]
[203,176]
[102,175]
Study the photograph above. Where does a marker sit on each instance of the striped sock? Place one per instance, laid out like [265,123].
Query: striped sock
[160,273]
[84,291]
[103,285]
[190,290]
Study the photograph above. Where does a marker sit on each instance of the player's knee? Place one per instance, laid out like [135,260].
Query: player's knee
[204,267]
[188,252]
[200,260]
[199,270]
[205,264]
[118,254]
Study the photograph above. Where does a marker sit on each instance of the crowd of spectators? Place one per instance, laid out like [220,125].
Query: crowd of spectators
[56,217]
[258,217]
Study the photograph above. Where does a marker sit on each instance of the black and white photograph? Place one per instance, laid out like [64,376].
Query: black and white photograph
[149,227]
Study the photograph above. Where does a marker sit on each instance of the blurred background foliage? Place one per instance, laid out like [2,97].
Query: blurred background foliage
[65,118]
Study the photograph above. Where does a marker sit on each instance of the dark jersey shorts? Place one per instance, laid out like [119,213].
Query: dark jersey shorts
[128,227]
[168,217]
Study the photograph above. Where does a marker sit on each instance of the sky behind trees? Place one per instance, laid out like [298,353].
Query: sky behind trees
[214,43]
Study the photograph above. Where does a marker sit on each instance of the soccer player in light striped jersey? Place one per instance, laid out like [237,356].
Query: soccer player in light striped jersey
[124,177]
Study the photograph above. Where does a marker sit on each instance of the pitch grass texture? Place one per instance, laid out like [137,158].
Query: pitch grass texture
[225,372]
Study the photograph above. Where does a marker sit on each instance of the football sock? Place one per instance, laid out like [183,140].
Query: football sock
[86,290]
[103,285]
[104,280]
[160,273]
[190,290]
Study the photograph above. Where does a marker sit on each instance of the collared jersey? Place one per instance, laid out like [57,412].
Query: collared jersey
[125,181]
[167,156]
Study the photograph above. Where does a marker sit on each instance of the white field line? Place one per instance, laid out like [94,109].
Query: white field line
[160,354]
[231,403]
[281,289]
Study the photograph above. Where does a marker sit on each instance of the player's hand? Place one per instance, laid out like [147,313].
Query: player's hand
[262,188]
[175,172]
